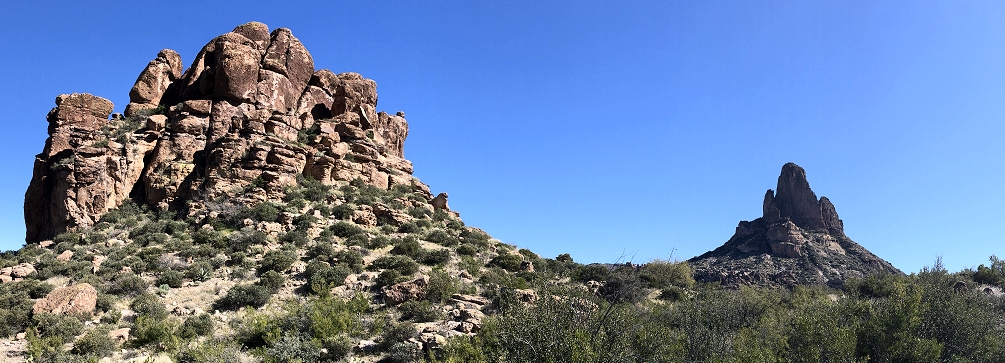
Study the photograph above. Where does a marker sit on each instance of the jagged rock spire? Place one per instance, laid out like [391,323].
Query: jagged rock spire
[795,201]
[798,239]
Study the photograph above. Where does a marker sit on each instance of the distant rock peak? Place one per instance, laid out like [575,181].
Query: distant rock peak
[799,239]
[795,201]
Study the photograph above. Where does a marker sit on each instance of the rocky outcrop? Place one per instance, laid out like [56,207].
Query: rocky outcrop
[798,239]
[76,299]
[405,291]
[248,117]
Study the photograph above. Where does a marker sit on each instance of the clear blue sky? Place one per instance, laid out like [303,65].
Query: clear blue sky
[608,128]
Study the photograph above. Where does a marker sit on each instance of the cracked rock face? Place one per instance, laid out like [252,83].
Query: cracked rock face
[799,239]
[250,108]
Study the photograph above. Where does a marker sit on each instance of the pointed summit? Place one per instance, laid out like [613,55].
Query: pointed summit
[799,239]
[795,201]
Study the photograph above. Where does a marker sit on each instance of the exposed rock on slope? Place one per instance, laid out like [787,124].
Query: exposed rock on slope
[799,239]
[250,112]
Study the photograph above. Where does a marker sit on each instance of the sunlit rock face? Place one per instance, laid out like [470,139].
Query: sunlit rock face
[251,113]
[799,239]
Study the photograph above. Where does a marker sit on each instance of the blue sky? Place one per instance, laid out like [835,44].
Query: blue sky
[609,129]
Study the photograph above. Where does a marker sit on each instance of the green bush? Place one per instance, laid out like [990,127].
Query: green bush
[62,326]
[95,343]
[419,311]
[292,348]
[591,272]
[243,240]
[244,295]
[507,261]
[409,227]
[435,257]
[388,278]
[396,333]
[660,274]
[171,278]
[408,246]
[149,305]
[210,351]
[441,286]
[993,275]
[350,258]
[127,285]
[196,326]
[271,280]
[343,211]
[403,264]
[321,276]
[276,260]
[150,330]
[200,271]
[467,249]
[345,229]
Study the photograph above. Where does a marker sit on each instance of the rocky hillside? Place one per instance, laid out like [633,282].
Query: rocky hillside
[255,209]
[249,116]
[799,239]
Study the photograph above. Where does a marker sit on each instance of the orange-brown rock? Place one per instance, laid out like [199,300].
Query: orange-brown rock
[76,299]
[251,106]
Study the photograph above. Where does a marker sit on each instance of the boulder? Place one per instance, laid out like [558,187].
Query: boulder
[440,202]
[405,291]
[156,78]
[65,256]
[76,299]
[287,56]
[236,69]
[22,270]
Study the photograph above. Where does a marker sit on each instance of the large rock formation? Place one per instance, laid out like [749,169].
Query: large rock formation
[799,239]
[248,117]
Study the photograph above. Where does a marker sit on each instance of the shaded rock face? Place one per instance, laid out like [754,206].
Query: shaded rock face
[799,239]
[250,112]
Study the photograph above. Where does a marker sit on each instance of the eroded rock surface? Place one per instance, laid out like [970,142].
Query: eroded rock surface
[799,239]
[250,113]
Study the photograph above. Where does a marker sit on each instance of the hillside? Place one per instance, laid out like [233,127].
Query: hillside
[251,208]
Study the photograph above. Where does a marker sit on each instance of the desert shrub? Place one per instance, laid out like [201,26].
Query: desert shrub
[402,353]
[622,286]
[321,276]
[455,224]
[150,330]
[292,348]
[244,295]
[409,227]
[271,280]
[196,326]
[345,229]
[471,265]
[304,222]
[295,237]
[358,240]
[408,246]
[875,286]
[591,272]
[127,285]
[276,260]
[336,347]
[15,308]
[991,275]
[200,271]
[419,311]
[507,261]
[388,278]
[396,333]
[171,278]
[440,237]
[52,325]
[313,190]
[148,305]
[420,212]
[435,257]
[95,343]
[441,286]
[210,351]
[323,251]
[379,242]
[461,350]
[660,274]
[343,211]
[403,264]
[264,212]
[467,249]
[424,223]
[350,258]
[111,317]
[245,238]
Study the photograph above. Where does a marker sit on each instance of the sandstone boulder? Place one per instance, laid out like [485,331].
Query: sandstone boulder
[22,270]
[156,78]
[440,202]
[76,299]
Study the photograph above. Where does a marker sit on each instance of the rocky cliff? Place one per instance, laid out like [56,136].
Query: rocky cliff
[799,239]
[248,117]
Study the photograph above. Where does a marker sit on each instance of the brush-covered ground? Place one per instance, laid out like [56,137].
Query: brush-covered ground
[320,277]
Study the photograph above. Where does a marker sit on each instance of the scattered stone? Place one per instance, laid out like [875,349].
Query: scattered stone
[22,270]
[474,299]
[46,243]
